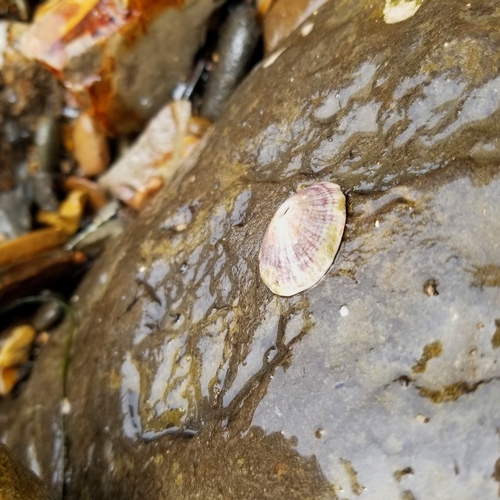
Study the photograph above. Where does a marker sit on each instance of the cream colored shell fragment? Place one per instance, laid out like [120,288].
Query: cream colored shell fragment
[302,239]
[396,11]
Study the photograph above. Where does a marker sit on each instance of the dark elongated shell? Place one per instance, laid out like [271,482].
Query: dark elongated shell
[302,239]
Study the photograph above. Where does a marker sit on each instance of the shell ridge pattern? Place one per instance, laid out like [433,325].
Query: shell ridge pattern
[302,239]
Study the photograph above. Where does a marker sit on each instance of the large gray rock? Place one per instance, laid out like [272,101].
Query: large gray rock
[189,379]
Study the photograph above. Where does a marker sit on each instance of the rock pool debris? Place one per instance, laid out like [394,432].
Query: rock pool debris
[302,239]
[109,53]
[101,219]
[156,156]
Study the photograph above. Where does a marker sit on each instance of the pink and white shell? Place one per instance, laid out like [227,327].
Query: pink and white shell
[302,239]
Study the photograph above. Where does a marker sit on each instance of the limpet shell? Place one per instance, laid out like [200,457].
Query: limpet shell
[302,239]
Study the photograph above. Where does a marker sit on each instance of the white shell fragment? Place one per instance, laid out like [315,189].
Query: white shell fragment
[396,11]
[302,239]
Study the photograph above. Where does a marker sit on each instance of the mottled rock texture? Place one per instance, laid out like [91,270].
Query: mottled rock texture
[17,482]
[190,379]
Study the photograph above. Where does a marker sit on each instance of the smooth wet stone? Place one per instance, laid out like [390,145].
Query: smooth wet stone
[47,315]
[238,39]
[190,379]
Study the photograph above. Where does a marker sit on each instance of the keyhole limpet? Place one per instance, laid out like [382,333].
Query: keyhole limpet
[302,239]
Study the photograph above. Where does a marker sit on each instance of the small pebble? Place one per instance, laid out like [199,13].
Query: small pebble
[65,406]
[422,419]
[344,311]
[46,316]
[306,29]
[42,338]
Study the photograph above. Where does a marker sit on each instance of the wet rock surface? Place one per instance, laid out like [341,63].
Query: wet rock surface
[17,482]
[190,379]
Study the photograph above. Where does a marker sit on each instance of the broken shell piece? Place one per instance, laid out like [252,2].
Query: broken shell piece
[156,157]
[396,11]
[302,239]
[67,219]
[97,197]
[8,379]
[90,145]
[15,350]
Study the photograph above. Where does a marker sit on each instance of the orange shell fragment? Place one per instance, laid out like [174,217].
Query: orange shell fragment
[31,244]
[15,350]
